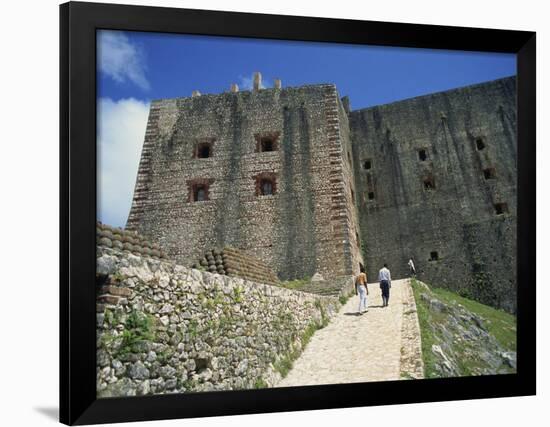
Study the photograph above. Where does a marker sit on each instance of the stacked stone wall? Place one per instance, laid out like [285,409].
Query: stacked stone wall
[164,328]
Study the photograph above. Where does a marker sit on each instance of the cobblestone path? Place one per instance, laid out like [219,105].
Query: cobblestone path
[360,348]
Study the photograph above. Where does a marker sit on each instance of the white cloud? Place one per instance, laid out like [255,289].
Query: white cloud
[246,82]
[121,59]
[120,133]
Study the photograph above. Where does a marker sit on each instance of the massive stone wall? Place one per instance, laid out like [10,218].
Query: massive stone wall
[164,328]
[437,179]
[303,228]
[433,178]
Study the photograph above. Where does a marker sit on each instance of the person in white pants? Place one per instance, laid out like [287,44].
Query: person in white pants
[363,291]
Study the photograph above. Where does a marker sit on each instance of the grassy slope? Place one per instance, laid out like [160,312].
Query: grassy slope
[501,325]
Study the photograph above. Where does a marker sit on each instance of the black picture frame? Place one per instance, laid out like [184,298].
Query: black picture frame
[78,25]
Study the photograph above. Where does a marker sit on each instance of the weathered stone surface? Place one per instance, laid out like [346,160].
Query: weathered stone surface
[317,277]
[170,340]
[357,348]
[463,345]
[476,247]
[301,228]
[426,174]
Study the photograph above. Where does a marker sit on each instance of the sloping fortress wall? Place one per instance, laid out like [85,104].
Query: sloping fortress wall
[438,183]
[293,177]
[261,171]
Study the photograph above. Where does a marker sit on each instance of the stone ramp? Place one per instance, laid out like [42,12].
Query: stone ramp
[355,348]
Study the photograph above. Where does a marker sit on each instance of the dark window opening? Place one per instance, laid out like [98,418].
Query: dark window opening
[352,196]
[480,145]
[501,208]
[266,184]
[371,195]
[429,184]
[422,155]
[434,256]
[349,158]
[267,144]
[200,193]
[203,150]
[357,237]
[266,187]
[489,173]
[199,189]
[367,164]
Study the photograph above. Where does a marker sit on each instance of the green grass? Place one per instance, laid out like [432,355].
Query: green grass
[296,284]
[501,325]
[426,331]
[284,364]
[260,383]
[138,329]
[343,299]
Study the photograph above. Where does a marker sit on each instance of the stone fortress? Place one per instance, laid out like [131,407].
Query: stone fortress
[295,178]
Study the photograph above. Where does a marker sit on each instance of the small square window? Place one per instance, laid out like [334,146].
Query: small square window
[266,187]
[266,184]
[489,173]
[199,189]
[429,183]
[367,164]
[480,145]
[501,208]
[199,193]
[371,195]
[434,256]
[422,155]
[203,150]
[267,144]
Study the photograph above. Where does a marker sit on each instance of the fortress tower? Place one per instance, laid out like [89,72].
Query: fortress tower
[293,177]
[266,171]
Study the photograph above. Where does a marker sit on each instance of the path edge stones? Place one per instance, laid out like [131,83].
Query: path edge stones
[412,364]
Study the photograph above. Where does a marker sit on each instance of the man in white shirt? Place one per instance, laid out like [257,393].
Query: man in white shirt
[384,277]
[411,266]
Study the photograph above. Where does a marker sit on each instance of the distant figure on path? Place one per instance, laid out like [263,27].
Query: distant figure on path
[411,266]
[362,289]
[384,277]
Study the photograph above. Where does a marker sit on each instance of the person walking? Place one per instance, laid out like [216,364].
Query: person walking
[411,267]
[362,289]
[384,277]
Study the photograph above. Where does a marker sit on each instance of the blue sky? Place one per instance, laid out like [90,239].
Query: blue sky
[134,68]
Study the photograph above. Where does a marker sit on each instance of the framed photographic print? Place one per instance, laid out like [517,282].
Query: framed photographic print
[268,213]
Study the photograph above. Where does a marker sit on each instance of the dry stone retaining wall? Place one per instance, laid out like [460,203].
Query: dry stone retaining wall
[171,329]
